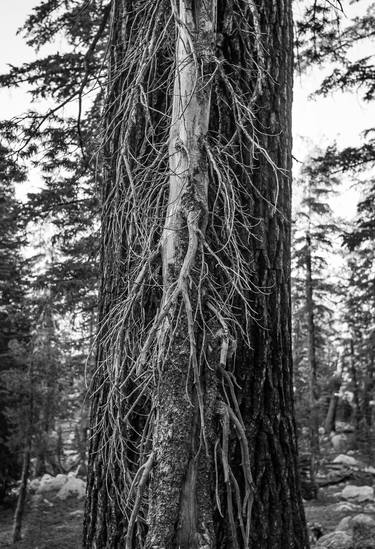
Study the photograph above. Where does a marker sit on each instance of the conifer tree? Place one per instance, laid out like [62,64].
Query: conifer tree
[193,439]
[14,322]
[315,229]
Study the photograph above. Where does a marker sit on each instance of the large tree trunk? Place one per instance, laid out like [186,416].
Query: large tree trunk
[265,370]
[193,439]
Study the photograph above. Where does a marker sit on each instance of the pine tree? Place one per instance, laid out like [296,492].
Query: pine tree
[64,148]
[193,385]
[336,40]
[313,293]
[14,321]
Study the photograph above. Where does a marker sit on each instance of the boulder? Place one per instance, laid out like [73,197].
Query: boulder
[48,483]
[335,540]
[344,459]
[363,519]
[345,507]
[34,485]
[358,493]
[344,524]
[74,487]
[339,442]
[348,522]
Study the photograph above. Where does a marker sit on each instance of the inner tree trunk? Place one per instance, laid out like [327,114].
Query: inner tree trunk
[181,509]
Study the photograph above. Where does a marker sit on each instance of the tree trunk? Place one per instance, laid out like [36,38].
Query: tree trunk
[356,402]
[182,471]
[18,515]
[367,413]
[192,412]
[334,388]
[313,381]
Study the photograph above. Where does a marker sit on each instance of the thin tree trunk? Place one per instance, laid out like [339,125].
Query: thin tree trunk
[311,349]
[367,410]
[356,401]
[19,512]
[334,388]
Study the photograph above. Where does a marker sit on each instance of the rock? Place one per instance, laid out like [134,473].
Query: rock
[73,487]
[335,540]
[363,519]
[346,507]
[34,485]
[369,508]
[344,524]
[348,522]
[347,460]
[340,442]
[359,493]
[370,470]
[344,427]
[49,483]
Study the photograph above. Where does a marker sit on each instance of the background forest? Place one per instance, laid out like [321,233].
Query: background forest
[49,249]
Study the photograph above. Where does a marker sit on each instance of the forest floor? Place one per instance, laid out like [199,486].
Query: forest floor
[50,524]
[53,524]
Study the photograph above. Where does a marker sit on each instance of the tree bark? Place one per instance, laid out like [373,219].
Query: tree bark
[265,372]
[192,412]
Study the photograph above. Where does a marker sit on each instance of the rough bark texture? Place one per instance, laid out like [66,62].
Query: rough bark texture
[193,440]
[265,372]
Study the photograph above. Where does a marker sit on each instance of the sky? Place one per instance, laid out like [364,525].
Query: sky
[341,117]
